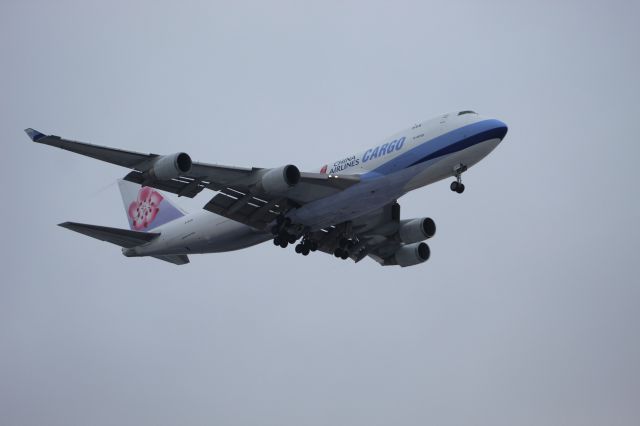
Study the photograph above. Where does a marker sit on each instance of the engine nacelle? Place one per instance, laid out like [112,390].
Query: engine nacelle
[171,166]
[415,230]
[280,179]
[412,254]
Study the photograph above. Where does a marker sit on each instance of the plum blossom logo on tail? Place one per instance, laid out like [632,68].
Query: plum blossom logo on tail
[323,170]
[145,209]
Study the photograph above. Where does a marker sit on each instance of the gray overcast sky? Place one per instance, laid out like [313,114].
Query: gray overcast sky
[527,313]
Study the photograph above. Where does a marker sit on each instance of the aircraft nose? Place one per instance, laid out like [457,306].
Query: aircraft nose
[501,129]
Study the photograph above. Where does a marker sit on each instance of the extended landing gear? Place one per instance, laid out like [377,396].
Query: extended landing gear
[306,246]
[341,253]
[457,185]
[340,237]
[344,246]
[282,238]
[282,223]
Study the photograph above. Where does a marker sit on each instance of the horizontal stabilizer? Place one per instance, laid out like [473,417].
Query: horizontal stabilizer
[121,237]
[176,259]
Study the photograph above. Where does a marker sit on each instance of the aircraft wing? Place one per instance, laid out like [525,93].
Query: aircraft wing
[241,196]
[190,184]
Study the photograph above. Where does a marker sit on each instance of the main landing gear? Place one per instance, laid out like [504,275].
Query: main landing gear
[344,246]
[282,238]
[306,246]
[285,233]
[457,185]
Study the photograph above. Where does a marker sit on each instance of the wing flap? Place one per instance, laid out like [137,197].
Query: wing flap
[245,208]
[182,186]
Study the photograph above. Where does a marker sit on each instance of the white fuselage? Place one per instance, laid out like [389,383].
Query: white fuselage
[424,154]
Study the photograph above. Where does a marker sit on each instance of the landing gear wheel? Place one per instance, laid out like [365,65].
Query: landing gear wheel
[304,251]
[345,255]
[299,248]
[284,243]
[457,185]
[276,241]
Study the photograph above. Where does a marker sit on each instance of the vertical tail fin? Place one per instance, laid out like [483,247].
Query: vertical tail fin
[146,208]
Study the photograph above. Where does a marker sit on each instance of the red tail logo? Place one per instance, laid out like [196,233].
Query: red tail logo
[145,209]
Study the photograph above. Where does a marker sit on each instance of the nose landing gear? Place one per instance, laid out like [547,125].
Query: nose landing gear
[457,185]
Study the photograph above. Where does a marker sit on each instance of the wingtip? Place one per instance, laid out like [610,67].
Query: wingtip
[34,134]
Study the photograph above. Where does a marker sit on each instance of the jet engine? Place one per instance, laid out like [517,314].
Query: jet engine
[416,230]
[170,166]
[280,179]
[412,254]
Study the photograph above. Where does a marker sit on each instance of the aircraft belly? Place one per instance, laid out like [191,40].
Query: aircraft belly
[234,236]
[206,232]
[351,203]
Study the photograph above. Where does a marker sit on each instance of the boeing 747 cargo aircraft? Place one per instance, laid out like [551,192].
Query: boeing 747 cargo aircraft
[347,208]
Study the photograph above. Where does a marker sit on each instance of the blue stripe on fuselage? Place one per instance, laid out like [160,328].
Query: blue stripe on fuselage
[448,143]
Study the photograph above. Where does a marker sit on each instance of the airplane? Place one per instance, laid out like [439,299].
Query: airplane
[347,208]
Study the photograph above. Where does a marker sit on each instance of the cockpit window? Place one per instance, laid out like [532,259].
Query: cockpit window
[467,112]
